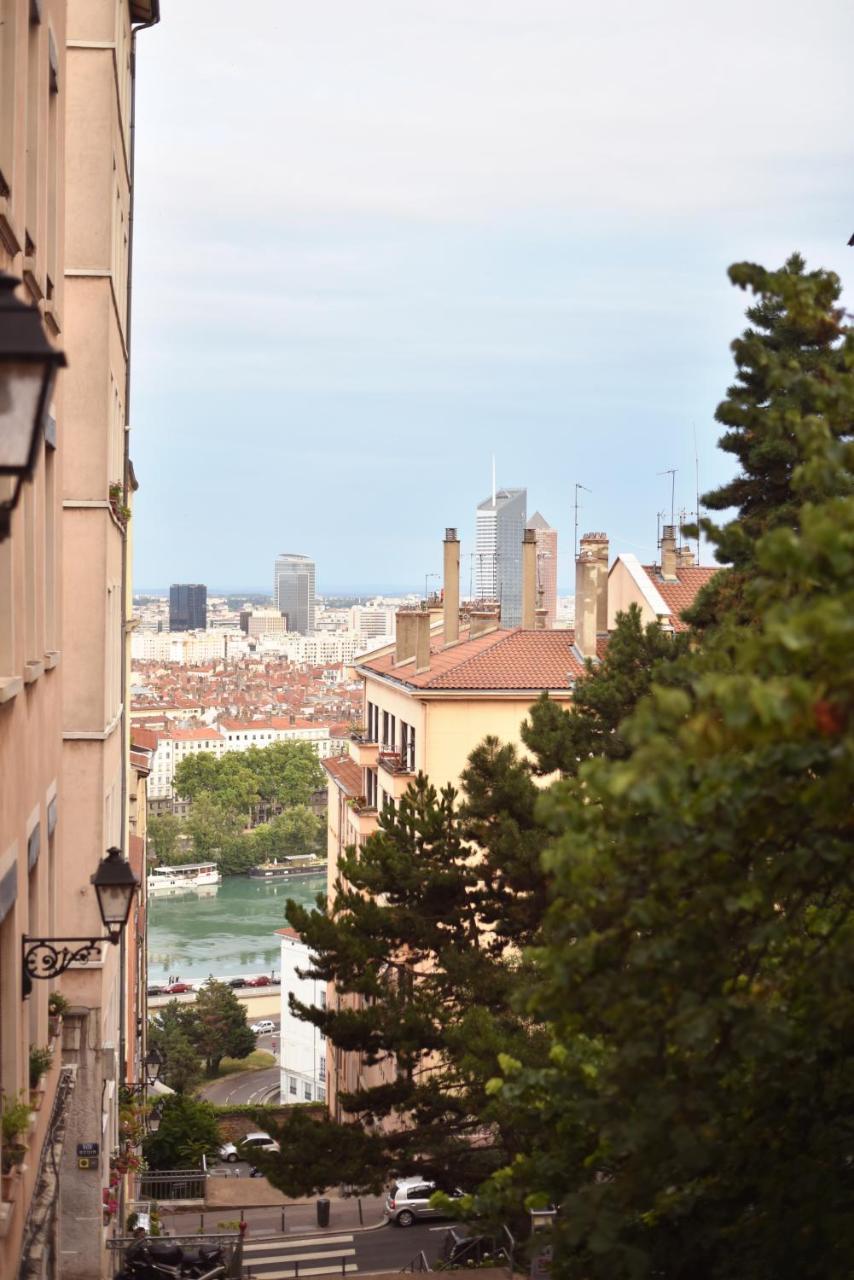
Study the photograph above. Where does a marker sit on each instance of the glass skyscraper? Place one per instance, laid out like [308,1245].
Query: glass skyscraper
[293,591]
[188,606]
[500,524]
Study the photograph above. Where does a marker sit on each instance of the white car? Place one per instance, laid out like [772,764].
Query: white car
[264,1027]
[242,1150]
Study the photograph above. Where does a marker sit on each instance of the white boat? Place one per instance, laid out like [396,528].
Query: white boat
[192,875]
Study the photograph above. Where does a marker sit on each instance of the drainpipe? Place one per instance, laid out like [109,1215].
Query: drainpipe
[126,481]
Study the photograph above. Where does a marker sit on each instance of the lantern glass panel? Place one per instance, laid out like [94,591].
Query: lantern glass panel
[20,391]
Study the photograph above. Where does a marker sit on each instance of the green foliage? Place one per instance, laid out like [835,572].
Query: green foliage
[696,1112]
[297,832]
[164,832]
[254,783]
[40,1060]
[315,1153]
[171,1031]
[792,362]
[219,1027]
[194,1038]
[563,739]
[213,828]
[188,1130]
[57,1004]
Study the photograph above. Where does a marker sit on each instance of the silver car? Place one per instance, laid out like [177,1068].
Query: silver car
[408,1200]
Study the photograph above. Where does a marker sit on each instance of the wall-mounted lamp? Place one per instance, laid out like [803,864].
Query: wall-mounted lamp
[28,365]
[115,884]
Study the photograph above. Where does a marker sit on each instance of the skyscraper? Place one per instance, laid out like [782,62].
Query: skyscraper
[188,606]
[293,591]
[498,551]
[546,567]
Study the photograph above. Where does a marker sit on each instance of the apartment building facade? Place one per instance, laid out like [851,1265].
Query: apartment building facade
[294,591]
[66,71]
[33,842]
[435,694]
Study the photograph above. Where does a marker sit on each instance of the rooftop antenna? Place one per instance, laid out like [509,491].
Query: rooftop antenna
[659,516]
[697,487]
[493,480]
[578,486]
[671,471]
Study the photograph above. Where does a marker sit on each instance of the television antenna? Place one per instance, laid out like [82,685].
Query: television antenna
[576,506]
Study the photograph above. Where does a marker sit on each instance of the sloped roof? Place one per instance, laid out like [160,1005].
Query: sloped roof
[680,595]
[346,773]
[536,521]
[504,661]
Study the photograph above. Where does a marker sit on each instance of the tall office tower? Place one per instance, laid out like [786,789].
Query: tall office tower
[293,591]
[188,606]
[498,551]
[546,567]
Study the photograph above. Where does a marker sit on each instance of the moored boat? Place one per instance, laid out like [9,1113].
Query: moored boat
[192,875]
[288,868]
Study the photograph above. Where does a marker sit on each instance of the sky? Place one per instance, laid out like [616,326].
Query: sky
[377,243]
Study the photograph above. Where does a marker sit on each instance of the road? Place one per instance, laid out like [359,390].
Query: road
[248,1086]
[316,1253]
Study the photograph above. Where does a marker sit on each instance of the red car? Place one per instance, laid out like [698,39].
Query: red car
[178,988]
[261,981]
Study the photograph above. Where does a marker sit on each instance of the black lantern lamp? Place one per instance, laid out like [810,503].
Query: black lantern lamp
[28,365]
[153,1065]
[115,884]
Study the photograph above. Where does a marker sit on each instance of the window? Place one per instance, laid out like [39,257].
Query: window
[292,1086]
[321,1070]
[307,1092]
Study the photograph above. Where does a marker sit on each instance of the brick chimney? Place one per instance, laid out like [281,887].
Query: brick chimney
[529,579]
[451,603]
[542,616]
[404,647]
[591,592]
[668,553]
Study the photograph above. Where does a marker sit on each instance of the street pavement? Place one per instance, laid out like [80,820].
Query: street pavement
[248,1086]
[327,1253]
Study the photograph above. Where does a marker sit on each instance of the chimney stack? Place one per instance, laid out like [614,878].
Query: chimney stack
[529,579]
[684,557]
[404,646]
[668,553]
[451,603]
[482,620]
[591,592]
[542,619]
[422,640]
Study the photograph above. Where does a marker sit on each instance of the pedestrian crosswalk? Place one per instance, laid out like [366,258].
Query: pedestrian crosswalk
[288,1258]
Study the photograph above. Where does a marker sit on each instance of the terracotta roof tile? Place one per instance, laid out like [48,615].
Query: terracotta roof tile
[679,595]
[346,773]
[500,660]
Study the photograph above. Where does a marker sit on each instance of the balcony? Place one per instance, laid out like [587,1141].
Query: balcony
[397,770]
[363,749]
[363,816]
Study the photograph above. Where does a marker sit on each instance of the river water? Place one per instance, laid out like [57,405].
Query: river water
[225,930]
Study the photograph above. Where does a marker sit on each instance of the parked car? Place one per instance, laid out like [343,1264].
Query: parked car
[264,1027]
[261,981]
[177,988]
[242,1150]
[408,1201]
[237,982]
[155,991]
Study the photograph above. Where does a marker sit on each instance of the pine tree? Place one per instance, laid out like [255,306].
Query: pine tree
[696,1113]
[785,386]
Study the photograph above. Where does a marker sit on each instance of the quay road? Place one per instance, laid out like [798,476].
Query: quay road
[248,1086]
[260,1002]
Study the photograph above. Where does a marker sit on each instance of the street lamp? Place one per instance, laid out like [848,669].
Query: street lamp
[115,885]
[28,365]
[152,1065]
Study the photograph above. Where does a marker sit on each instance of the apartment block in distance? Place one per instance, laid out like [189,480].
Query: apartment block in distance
[188,606]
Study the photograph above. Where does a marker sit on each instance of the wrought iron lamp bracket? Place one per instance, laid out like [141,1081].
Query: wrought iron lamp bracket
[49,957]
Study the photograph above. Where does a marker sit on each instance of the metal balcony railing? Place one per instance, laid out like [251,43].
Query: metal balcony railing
[394,761]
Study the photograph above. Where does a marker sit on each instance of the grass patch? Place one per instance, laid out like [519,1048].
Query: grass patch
[258,1060]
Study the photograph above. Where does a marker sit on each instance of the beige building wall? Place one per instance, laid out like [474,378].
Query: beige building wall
[32,104]
[97,488]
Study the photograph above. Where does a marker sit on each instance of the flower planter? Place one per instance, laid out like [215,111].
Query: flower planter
[36,1099]
[54,1025]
